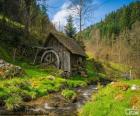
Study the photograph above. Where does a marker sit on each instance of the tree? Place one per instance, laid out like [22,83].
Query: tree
[27,14]
[84,10]
[70,30]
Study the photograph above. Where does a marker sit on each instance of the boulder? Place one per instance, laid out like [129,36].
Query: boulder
[8,70]
[65,74]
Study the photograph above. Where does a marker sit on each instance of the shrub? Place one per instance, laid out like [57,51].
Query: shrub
[68,94]
[98,67]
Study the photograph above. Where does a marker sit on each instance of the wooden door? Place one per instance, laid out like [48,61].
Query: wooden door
[67,65]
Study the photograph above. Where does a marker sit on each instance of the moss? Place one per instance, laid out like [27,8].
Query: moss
[76,83]
[68,94]
[13,102]
[37,83]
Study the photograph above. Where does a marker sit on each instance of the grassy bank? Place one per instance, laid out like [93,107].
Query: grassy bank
[37,83]
[113,100]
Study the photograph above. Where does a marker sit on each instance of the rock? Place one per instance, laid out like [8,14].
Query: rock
[1,65]
[1,61]
[8,70]
[112,83]
[83,74]
[135,87]
[65,74]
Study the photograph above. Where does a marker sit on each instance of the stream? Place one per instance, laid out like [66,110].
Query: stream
[56,105]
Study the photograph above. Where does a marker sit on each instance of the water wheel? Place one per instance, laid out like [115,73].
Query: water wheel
[50,58]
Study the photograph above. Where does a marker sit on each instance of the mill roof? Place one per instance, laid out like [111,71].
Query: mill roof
[69,43]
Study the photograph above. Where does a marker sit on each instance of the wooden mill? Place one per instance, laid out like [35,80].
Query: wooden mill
[62,52]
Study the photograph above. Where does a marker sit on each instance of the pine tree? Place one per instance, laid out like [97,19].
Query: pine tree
[70,30]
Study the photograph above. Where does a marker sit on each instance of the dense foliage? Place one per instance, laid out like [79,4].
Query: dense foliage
[23,25]
[120,20]
[117,21]
[22,20]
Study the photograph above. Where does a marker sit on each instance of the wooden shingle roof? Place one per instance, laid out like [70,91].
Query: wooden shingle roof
[69,43]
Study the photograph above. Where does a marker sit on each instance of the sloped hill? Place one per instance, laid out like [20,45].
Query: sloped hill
[117,37]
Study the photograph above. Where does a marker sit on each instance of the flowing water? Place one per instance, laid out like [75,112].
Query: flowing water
[56,105]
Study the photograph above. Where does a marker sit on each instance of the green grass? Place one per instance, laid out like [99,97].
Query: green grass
[40,82]
[37,83]
[76,83]
[111,101]
[28,88]
[13,102]
[110,70]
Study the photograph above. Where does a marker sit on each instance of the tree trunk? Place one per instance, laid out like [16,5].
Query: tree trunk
[80,15]
[27,12]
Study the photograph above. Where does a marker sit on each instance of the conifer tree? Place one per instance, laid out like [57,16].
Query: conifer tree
[70,30]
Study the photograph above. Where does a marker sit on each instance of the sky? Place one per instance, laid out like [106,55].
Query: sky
[58,11]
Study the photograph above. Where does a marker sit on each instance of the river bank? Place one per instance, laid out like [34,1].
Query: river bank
[55,104]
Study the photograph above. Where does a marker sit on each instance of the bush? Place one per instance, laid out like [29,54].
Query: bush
[98,67]
[68,94]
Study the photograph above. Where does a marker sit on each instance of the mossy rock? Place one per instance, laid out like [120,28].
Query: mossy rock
[69,94]
[8,70]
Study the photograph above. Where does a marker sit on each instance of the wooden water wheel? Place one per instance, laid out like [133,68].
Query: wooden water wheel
[50,58]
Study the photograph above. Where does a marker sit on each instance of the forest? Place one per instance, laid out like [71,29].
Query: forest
[70,70]
[23,24]
[117,37]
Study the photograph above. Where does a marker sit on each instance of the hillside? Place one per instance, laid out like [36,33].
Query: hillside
[21,32]
[117,37]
